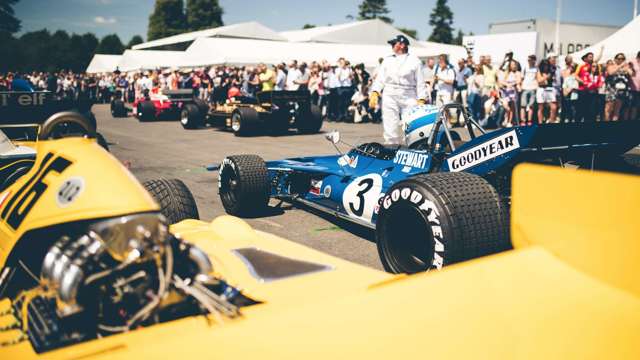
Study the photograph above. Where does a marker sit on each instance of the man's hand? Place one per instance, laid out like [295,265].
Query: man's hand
[373,99]
[422,102]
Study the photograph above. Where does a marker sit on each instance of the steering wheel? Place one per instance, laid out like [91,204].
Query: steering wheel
[372,149]
[66,124]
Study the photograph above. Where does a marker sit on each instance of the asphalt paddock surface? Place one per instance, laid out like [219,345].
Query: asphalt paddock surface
[163,149]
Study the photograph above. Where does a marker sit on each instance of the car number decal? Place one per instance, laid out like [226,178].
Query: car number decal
[22,203]
[360,197]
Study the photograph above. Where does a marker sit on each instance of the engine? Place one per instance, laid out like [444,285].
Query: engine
[121,274]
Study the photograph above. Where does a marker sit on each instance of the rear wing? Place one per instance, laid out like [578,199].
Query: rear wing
[33,108]
[279,97]
[183,95]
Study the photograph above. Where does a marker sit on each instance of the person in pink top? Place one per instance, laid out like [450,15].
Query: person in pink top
[633,110]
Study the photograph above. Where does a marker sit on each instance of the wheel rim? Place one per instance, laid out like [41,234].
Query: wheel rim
[409,247]
[184,117]
[235,122]
[229,186]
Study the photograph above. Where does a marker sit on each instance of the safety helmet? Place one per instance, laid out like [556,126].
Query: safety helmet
[419,121]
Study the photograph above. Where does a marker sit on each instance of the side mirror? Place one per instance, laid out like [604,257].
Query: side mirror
[333,136]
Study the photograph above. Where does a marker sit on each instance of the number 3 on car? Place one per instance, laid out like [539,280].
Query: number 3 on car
[361,196]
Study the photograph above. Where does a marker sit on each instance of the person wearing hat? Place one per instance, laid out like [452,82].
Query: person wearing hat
[400,76]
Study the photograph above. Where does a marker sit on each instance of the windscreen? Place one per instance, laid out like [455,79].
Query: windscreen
[5,144]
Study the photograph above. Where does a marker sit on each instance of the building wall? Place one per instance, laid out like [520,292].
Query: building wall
[573,37]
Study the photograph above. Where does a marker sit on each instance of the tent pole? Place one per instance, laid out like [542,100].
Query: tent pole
[558,10]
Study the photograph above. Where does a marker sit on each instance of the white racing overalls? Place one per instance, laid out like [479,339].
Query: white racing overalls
[401,78]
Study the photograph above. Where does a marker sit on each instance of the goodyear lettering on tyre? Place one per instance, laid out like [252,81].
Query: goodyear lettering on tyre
[483,152]
[433,217]
[225,162]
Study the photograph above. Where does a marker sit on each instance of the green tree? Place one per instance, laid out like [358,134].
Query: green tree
[441,19]
[168,18]
[203,14]
[10,52]
[374,9]
[110,44]
[308,26]
[411,32]
[135,40]
[8,21]
[458,38]
[34,50]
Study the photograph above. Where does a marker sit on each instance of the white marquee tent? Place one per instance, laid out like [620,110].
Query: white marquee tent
[625,40]
[216,51]
[246,30]
[133,60]
[370,32]
[103,63]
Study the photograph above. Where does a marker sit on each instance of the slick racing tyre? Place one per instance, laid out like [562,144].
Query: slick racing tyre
[433,220]
[279,122]
[202,106]
[309,120]
[244,121]
[118,109]
[243,184]
[145,111]
[175,200]
[191,117]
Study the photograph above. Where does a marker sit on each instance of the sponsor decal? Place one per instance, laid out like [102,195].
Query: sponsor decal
[385,173]
[348,160]
[411,159]
[433,216]
[483,152]
[69,191]
[327,191]
[316,185]
[406,169]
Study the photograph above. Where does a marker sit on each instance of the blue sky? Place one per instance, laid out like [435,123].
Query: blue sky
[130,17]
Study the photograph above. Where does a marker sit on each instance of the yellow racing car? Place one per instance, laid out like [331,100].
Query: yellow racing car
[91,269]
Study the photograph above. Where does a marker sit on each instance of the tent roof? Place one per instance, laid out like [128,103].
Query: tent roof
[455,52]
[103,63]
[217,51]
[149,59]
[374,31]
[246,30]
[625,40]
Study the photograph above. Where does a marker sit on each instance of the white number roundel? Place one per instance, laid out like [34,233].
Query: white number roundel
[361,196]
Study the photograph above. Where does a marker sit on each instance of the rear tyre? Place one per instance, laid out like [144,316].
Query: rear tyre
[118,109]
[430,221]
[202,106]
[145,111]
[175,200]
[244,121]
[243,185]
[309,120]
[191,117]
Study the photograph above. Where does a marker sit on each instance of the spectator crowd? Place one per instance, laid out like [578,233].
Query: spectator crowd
[500,94]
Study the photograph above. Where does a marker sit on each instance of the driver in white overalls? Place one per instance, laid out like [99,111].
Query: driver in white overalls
[400,75]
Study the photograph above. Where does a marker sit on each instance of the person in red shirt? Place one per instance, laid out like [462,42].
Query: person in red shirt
[587,90]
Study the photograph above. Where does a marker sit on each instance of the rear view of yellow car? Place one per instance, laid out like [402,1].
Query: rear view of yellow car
[91,269]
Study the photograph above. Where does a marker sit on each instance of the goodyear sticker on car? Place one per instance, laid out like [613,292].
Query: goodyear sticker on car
[485,151]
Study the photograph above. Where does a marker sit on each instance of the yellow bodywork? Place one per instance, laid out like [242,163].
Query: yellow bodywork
[567,290]
[109,189]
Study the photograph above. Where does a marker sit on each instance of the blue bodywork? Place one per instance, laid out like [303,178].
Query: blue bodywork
[351,186]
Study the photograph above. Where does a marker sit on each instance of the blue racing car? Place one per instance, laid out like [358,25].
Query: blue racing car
[437,201]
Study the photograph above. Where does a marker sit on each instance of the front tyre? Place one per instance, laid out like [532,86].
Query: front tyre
[175,200]
[433,220]
[243,185]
